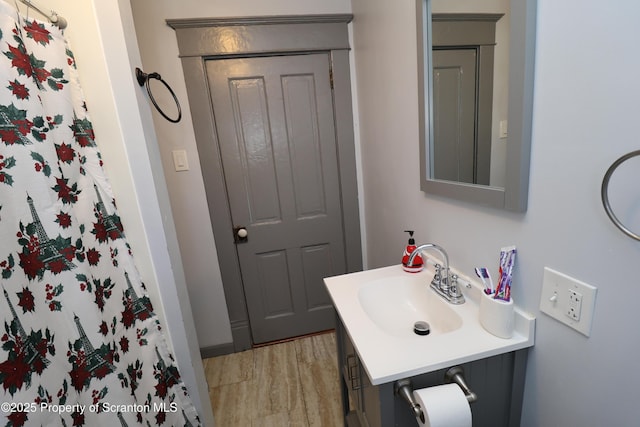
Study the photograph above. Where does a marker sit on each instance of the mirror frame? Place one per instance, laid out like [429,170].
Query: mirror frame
[514,195]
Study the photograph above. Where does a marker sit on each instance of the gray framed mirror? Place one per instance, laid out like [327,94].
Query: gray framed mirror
[510,190]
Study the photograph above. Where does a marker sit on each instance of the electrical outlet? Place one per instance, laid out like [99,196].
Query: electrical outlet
[568,300]
[575,304]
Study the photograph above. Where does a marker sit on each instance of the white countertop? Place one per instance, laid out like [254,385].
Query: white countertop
[386,357]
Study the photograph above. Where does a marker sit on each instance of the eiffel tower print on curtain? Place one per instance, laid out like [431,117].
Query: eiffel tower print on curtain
[27,352]
[108,225]
[39,251]
[88,362]
[166,375]
[30,349]
[83,132]
[123,423]
[11,127]
[140,306]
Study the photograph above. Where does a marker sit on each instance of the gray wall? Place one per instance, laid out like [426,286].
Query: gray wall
[585,116]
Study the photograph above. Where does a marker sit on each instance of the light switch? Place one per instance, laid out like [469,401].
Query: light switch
[504,129]
[180,161]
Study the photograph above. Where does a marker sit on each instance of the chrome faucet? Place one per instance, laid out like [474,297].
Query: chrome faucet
[445,284]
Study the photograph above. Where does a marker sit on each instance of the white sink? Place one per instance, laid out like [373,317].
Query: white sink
[378,308]
[396,303]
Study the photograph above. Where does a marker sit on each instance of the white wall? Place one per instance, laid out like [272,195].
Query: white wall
[102,39]
[585,116]
[159,52]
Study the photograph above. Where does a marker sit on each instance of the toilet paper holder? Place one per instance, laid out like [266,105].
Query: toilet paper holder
[404,389]
[456,375]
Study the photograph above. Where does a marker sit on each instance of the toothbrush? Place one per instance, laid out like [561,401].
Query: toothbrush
[491,287]
[484,275]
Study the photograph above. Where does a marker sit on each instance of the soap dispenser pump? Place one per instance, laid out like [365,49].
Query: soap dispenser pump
[418,263]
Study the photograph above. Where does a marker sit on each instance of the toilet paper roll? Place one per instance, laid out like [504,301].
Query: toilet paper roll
[443,406]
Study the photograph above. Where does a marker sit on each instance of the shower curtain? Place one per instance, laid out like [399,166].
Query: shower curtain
[80,343]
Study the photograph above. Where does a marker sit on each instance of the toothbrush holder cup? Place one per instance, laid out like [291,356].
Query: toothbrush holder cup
[497,316]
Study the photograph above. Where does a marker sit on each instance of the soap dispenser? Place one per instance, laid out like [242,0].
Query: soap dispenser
[417,261]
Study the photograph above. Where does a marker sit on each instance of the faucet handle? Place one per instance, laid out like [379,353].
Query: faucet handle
[444,281]
[437,276]
[453,283]
[438,271]
[454,290]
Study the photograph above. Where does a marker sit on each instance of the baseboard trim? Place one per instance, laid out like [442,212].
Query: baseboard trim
[216,350]
[241,335]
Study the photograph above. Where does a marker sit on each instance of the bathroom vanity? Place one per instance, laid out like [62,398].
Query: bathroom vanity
[376,310]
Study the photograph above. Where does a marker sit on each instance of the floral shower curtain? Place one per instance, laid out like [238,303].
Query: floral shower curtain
[80,343]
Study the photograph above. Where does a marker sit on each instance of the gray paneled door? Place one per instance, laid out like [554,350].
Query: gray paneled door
[454,114]
[275,122]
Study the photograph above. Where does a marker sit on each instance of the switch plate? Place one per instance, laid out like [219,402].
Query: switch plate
[180,161]
[568,300]
[504,129]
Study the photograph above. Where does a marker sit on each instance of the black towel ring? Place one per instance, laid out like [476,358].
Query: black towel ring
[604,193]
[143,79]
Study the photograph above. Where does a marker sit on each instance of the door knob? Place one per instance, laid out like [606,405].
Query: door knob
[240,234]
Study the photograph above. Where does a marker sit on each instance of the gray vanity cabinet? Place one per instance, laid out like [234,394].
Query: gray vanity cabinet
[498,381]
[360,399]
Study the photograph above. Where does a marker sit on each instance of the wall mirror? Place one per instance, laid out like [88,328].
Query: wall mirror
[494,168]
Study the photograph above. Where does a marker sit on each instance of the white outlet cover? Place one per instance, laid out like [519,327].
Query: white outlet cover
[554,300]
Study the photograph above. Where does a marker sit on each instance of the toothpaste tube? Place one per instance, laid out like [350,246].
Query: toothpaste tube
[507,260]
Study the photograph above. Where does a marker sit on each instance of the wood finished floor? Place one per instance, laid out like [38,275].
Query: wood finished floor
[293,383]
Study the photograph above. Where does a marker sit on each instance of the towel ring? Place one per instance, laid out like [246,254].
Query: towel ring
[143,79]
[604,192]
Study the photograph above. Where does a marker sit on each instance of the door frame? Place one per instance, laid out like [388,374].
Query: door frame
[202,39]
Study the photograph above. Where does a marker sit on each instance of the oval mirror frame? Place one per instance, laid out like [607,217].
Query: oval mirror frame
[514,195]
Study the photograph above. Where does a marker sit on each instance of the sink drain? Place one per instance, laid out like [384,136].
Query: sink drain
[421,328]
